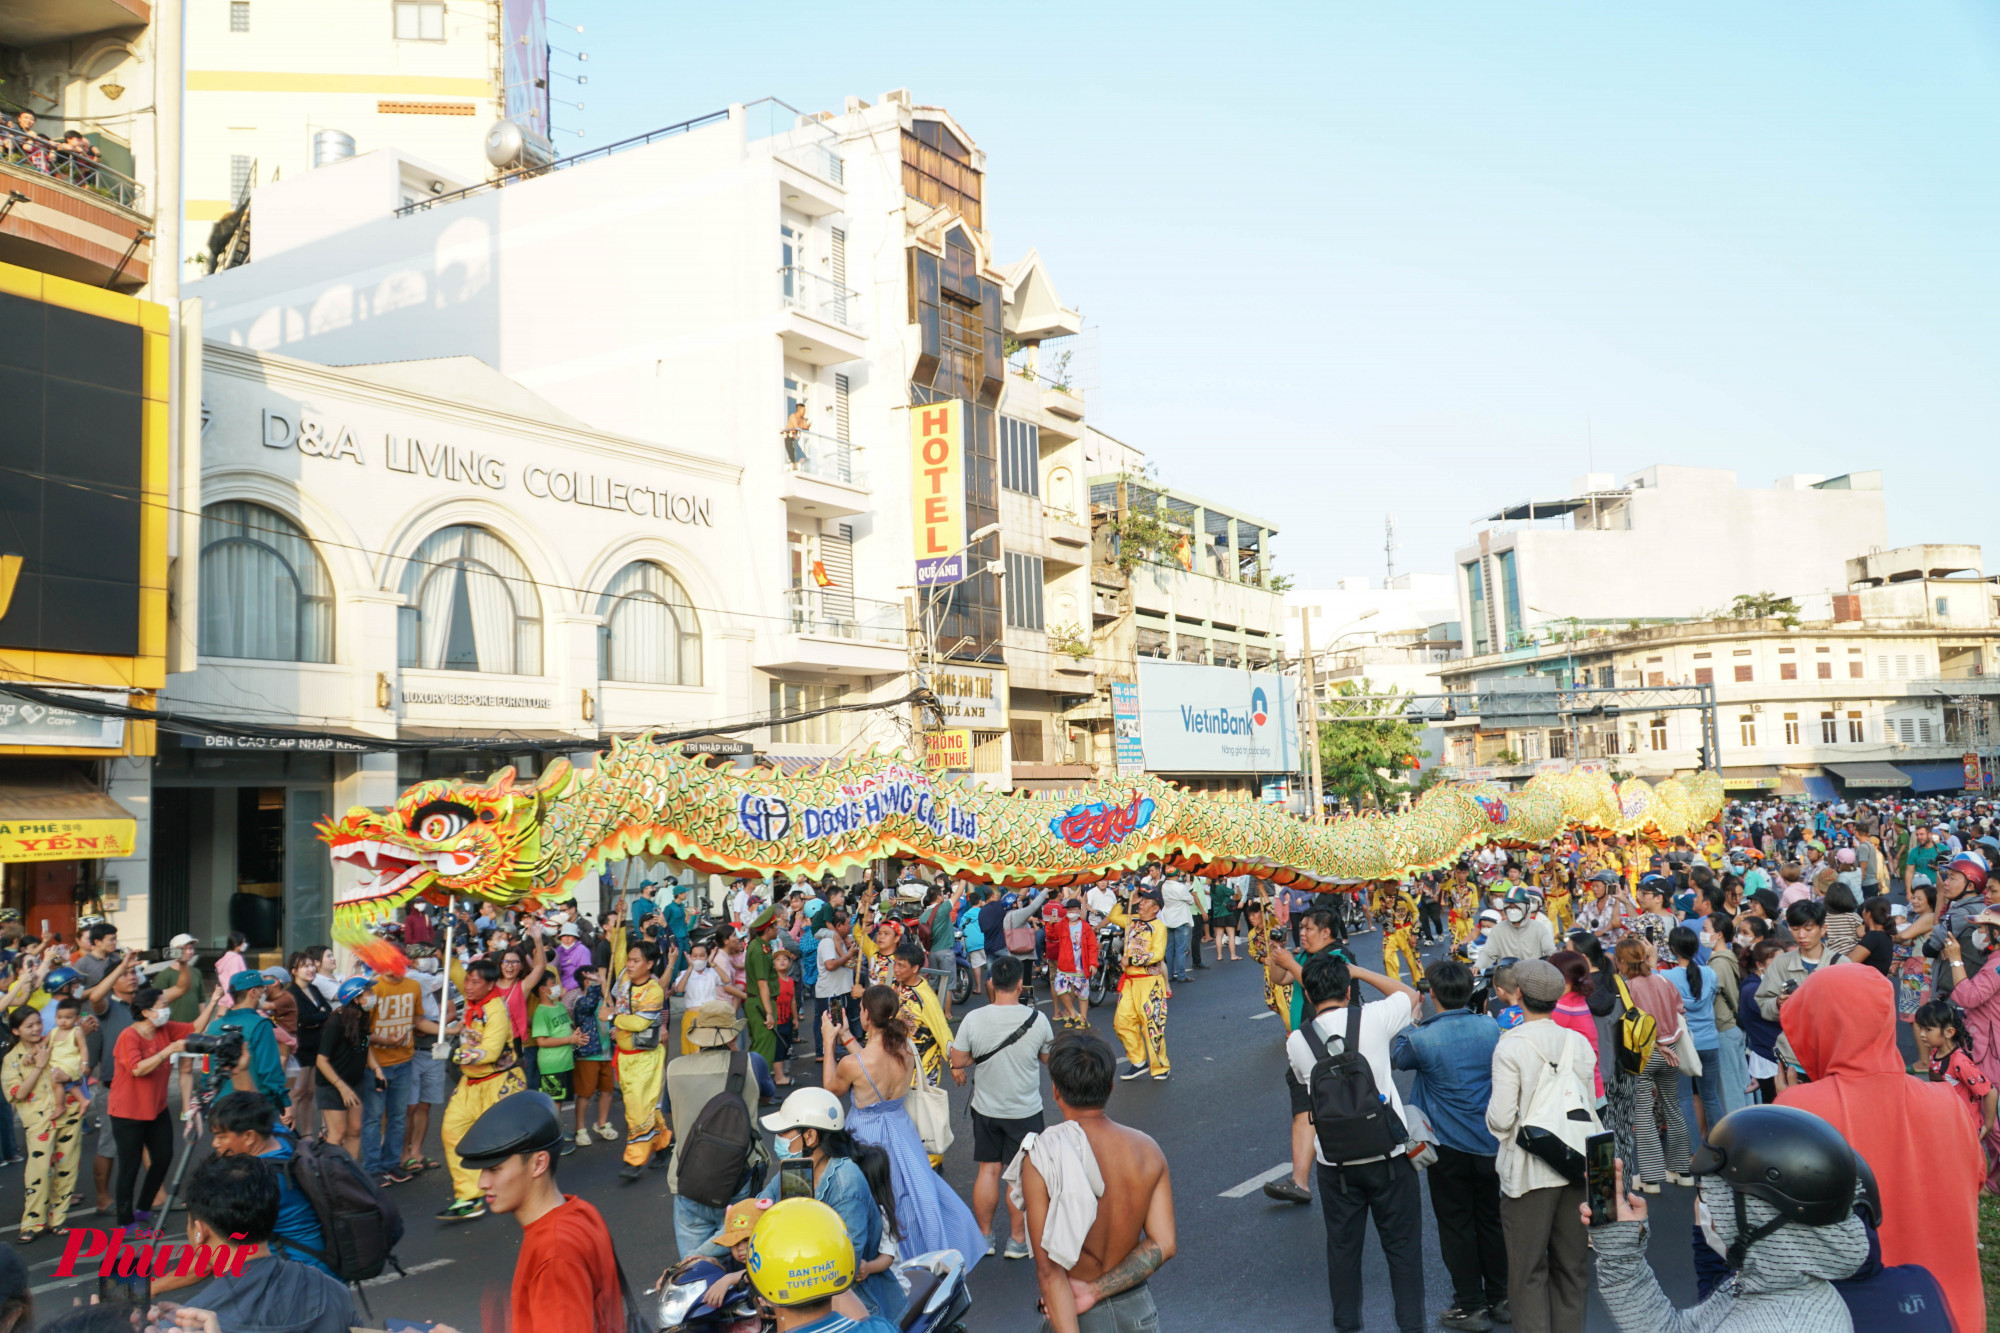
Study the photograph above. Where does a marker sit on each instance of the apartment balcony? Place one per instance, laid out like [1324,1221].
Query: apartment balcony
[828,630]
[1069,537]
[1066,403]
[824,477]
[72,218]
[39,22]
[820,321]
[812,178]
[1075,675]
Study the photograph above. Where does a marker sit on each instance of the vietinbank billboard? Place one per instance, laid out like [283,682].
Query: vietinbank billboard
[1203,719]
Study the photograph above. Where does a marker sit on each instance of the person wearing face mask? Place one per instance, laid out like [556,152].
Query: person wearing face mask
[813,1124]
[1072,948]
[137,1103]
[1778,1196]
[1518,934]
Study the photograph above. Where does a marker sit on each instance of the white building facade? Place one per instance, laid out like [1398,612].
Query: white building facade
[1891,693]
[1666,543]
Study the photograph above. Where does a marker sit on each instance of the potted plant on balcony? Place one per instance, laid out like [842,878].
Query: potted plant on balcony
[1068,638]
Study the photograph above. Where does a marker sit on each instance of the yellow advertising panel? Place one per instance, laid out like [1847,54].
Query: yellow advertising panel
[67,839]
[937,484]
[950,749]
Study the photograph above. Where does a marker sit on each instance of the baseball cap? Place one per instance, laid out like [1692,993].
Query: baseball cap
[181,941]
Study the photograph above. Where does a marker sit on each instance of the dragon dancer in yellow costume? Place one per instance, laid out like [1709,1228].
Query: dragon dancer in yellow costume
[1556,898]
[1141,1022]
[1399,939]
[1264,936]
[488,1072]
[637,1003]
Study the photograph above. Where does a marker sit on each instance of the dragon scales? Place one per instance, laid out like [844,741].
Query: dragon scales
[522,844]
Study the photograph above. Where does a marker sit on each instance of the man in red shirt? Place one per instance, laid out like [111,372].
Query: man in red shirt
[566,1279]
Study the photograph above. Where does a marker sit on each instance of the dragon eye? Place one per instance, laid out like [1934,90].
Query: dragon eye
[439,821]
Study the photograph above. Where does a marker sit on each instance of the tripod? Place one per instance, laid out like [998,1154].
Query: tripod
[139,1290]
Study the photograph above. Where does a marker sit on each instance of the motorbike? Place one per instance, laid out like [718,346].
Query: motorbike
[937,1303]
[961,969]
[1110,963]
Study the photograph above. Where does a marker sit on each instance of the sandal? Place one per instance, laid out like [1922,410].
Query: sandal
[415,1165]
[432,1164]
[27,1237]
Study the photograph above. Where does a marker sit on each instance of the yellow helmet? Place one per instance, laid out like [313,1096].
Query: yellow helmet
[800,1254]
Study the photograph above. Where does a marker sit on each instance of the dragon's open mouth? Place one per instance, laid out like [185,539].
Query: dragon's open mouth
[385,868]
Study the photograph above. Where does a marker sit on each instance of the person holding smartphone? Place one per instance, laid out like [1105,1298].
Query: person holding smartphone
[1548,1263]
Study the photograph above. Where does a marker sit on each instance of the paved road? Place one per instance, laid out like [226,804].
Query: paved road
[1244,1261]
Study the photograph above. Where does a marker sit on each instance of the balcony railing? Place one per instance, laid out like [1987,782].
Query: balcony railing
[826,614]
[814,295]
[79,172]
[824,457]
[809,141]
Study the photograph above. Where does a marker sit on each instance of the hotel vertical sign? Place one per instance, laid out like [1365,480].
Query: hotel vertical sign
[937,490]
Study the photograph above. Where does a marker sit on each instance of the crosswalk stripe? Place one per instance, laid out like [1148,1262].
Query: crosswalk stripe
[1257,1182]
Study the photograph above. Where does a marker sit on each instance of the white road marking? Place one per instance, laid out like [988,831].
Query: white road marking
[415,1269]
[1257,1182]
[1268,1013]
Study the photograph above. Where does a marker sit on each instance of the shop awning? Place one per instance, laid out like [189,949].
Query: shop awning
[62,818]
[1752,777]
[1872,773]
[1942,775]
[1820,788]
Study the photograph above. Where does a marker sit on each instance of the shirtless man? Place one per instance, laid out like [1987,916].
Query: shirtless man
[1105,1290]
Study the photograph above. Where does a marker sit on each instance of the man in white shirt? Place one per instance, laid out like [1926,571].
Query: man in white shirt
[835,987]
[1177,915]
[1383,1187]
[1100,898]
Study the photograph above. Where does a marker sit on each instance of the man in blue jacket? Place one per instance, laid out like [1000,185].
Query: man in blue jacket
[263,1068]
[1452,1055]
[243,1124]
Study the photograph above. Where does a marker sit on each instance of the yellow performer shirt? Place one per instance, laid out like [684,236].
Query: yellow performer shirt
[636,1008]
[1145,948]
[486,1047]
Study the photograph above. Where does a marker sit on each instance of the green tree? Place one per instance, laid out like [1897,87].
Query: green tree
[1765,606]
[1365,747]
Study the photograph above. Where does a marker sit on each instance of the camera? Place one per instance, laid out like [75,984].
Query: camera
[224,1048]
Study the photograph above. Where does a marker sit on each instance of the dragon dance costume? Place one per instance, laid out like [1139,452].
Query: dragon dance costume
[1141,1021]
[485,1059]
[1398,941]
[634,1009]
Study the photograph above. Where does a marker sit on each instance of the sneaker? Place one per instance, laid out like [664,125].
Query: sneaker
[1468,1319]
[1136,1071]
[991,1246]
[569,1146]
[462,1210]
[606,1132]
[396,1175]
[630,1174]
[1017,1249]
[582,1136]
[1499,1312]
[1162,1076]
[1286,1190]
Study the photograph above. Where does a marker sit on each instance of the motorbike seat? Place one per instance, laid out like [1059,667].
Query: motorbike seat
[923,1283]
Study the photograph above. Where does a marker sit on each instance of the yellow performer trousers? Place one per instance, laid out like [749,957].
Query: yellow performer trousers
[467,1104]
[51,1143]
[1141,1022]
[1395,947]
[1561,917]
[639,1075]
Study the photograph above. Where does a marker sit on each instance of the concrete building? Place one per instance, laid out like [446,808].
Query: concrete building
[1890,692]
[1393,636]
[1203,603]
[275,90]
[1666,543]
[99,396]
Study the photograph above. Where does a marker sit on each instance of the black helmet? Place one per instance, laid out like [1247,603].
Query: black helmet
[522,1122]
[1791,1159]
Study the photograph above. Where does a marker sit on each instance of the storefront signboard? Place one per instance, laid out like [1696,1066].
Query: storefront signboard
[67,839]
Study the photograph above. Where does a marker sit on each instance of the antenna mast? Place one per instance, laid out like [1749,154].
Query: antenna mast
[1389,547]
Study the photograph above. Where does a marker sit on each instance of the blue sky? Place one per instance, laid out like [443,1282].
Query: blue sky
[1345,260]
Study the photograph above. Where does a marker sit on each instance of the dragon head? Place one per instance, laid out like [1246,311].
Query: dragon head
[459,838]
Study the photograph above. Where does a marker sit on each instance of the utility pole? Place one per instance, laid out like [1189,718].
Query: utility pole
[1311,703]
[1389,547]
[917,677]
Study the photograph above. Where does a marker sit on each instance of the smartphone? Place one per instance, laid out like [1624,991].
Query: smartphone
[795,1178]
[1600,1158]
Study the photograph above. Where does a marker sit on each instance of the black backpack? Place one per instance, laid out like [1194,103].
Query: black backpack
[716,1150]
[358,1224]
[1353,1122]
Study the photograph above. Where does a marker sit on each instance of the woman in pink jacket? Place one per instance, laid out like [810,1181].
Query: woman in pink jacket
[1979,996]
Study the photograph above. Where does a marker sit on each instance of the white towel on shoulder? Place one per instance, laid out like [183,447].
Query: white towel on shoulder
[1069,1168]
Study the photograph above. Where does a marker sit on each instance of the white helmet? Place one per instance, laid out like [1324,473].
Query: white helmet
[808,1108]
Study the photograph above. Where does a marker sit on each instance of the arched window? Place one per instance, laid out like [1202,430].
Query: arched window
[469,605]
[264,592]
[651,635]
